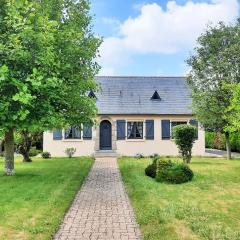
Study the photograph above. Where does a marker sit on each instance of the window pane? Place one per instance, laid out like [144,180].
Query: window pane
[73,133]
[135,130]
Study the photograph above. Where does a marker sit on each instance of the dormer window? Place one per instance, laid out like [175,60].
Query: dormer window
[155,96]
[92,95]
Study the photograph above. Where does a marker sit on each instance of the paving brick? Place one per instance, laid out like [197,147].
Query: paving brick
[101,209]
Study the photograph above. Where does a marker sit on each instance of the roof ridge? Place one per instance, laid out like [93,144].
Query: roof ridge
[159,77]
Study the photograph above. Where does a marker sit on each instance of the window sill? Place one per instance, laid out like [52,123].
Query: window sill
[72,140]
[135,140]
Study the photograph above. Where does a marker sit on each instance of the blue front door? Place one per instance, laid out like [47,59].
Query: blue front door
[105,135]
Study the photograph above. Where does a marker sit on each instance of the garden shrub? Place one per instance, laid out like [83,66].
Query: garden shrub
[162,169]
[151,169]
[139,155]
[70,152]
[235,141]
[209,139]
[218,141]
[184,137]
[170,172]
[46,155]
[155,155]
[34,152]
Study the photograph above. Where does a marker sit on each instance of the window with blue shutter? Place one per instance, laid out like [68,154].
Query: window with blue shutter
[87,132]
[57,134]
[149,129]
[121,129]
[194,123]
[166,129]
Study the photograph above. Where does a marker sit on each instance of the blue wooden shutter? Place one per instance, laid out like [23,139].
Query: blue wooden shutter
[121,129]
[87,132]
[166,129]
[76,132]
[149,129]
[194,123]
[57,134]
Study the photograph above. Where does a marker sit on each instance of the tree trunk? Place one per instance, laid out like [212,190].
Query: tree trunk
[26,157]
[1,144]
[9,153]
[26,146]
[228,146]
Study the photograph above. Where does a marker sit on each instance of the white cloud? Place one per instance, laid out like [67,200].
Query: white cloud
[160,31]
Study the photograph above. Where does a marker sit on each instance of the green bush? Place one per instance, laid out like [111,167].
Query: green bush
[218,141]
[139,155]
[209,139]
[184,137]
[170,172]
[152,168]
[155,155]
[34,152]
[162,169]
[46,155]
[235,141]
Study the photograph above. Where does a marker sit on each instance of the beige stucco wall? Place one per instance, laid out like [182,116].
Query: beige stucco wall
[57,147]
[126,147]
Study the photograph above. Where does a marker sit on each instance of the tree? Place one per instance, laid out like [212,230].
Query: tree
[24,140]
[234,109]
[215,64]
[1,146]
[184,136]
[47,67]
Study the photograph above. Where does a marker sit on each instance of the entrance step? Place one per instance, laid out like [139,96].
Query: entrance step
[105,153]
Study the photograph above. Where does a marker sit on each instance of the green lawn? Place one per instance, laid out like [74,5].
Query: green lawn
[206,208]
[33,203]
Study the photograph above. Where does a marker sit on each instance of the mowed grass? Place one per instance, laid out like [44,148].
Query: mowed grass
[33,203]
[206,208]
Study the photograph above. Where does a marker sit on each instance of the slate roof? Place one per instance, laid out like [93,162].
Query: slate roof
[132,95]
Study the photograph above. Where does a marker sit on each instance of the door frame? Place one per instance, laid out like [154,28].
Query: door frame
[110,135]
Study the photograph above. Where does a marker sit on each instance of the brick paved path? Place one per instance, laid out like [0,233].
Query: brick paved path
[101,209]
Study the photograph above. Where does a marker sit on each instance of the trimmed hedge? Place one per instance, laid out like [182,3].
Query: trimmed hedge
[170,172]
[218,141]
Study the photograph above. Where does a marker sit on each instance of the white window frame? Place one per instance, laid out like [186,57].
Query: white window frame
[126,129]
[72,139]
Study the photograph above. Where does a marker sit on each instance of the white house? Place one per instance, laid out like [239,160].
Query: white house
[135,115]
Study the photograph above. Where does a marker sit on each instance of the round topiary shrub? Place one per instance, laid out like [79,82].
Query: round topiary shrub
[168,171]
[184,137]
[151,169]
[162,169]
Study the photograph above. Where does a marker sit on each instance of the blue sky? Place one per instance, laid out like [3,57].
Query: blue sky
[154,37]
